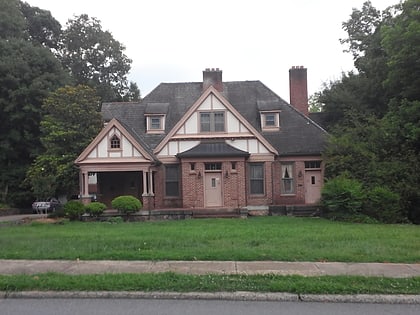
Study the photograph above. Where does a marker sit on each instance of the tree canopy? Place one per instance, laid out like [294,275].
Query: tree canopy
[95,58]
[374,115]
[70,123]
[36,58]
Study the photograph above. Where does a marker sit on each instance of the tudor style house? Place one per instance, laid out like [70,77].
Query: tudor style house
[209,144]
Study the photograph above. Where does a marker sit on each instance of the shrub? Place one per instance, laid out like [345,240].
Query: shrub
[74,209]
[95,209]
[126,204]
[383,205]
[342,195]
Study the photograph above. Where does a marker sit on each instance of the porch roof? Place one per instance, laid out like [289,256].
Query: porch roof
[213,149]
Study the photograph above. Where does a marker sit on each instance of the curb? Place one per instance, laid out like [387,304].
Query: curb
[228,296]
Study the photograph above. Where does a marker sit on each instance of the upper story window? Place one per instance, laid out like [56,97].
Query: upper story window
[212,121]
[270,121]
[115,142]
[155,124]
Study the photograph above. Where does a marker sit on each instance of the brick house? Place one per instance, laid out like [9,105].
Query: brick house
[209,144]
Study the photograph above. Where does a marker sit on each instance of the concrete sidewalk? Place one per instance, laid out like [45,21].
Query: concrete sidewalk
[210,267]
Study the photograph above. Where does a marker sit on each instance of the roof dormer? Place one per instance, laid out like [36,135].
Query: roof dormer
[155,114]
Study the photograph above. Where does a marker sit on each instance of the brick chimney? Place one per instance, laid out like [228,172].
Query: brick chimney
[298,84]
[212,77]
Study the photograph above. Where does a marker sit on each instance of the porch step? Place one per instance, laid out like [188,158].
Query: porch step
[296,210]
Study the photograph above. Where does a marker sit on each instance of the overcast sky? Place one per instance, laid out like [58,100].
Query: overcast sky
[175,40]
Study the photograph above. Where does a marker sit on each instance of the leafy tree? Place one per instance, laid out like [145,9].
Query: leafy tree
[41,26]
[374,115]
[95,58]
[70,123]
[401,43]
[12,22]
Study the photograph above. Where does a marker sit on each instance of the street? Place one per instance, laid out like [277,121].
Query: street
[196,307]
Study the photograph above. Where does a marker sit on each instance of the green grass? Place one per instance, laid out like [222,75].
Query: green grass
[171,282]
[263,238]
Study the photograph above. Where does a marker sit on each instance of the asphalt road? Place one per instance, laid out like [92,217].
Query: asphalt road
[196,307]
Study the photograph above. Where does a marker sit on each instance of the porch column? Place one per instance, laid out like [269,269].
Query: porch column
[151,193]
[85,183]
[145,183]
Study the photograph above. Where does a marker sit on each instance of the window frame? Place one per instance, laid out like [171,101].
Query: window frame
[259,180]
[150,124]
[171,181]
[213,123]
[276,120]
[115,143]
[288,168]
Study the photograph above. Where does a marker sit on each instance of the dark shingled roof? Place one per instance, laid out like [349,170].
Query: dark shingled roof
[213,149]
[298,135]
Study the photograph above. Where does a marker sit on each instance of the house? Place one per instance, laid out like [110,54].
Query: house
[208,144]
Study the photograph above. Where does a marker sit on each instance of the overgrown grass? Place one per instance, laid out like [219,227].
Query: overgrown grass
[264,238]
[171,282]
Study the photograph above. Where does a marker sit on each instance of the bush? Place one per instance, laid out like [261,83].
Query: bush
[95,209]
[342,195]
[383,205]
[74,209]
[126,204]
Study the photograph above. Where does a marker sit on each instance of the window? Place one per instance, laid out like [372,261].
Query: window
[212,121]
[313,164]
[256,177]
[213,166]
[172,180]
[155,123]
[115,142]
[287,186]
[270,121]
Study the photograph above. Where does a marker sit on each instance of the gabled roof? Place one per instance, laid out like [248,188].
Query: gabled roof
[298,135]
[114,123]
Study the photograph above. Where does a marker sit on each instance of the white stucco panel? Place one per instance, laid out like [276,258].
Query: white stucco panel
[216,104]
[186,145]
[102,148]
[252,146]
[190,126]
[173,147]
[207,104]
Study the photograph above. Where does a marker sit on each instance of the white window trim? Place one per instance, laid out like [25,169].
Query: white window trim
[212,121]
[276,126]
[149,124]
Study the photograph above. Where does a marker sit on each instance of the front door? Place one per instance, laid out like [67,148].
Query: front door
[213,189]
[313,185]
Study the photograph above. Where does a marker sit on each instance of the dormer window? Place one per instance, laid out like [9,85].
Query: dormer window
[155,123]
[115,142]
[270,121]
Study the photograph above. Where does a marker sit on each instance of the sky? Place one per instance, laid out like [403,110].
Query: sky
[175,40]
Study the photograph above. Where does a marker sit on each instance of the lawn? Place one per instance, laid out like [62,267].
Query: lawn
[262,238]
[171,282]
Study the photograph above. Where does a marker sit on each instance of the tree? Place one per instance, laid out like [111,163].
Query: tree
[374,115]
[401,43]
[12,23]
[95,58]
[28,72]
[41,26]
[70,123]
